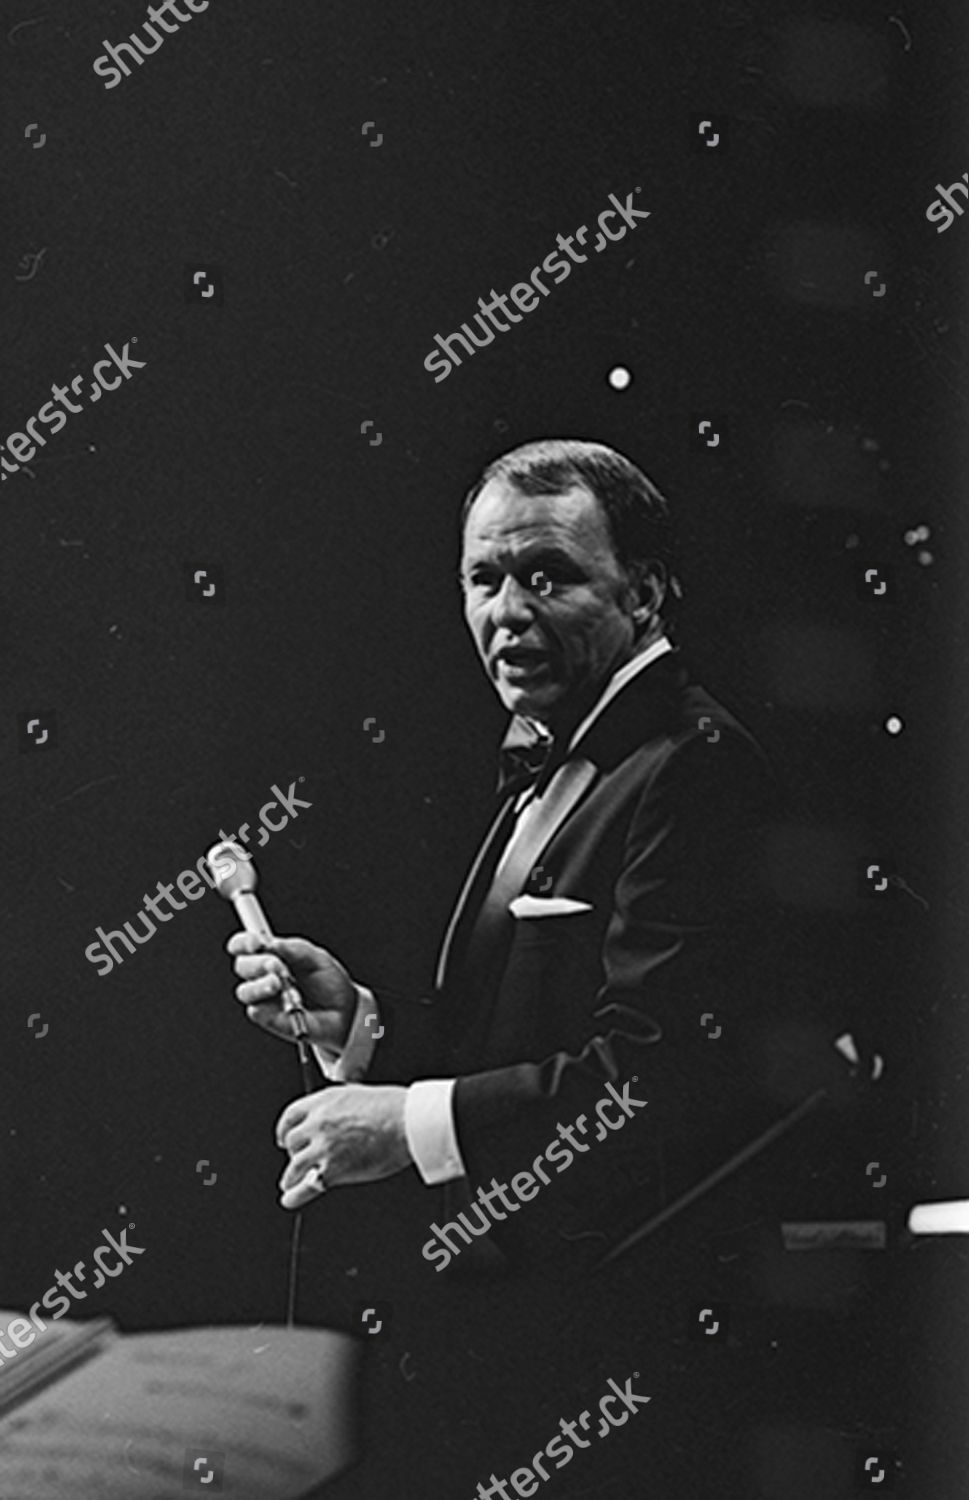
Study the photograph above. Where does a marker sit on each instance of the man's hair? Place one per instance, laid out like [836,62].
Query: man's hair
[637,513]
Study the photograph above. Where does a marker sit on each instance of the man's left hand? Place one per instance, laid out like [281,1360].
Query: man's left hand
[354,1132]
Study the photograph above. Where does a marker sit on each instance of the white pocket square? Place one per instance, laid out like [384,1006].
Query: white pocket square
[546,906]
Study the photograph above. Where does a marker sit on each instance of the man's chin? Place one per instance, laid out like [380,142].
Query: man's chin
[536,703]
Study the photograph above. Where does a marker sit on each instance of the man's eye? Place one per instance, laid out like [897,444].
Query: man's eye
[540,578]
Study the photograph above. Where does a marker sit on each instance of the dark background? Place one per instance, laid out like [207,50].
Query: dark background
[240,145]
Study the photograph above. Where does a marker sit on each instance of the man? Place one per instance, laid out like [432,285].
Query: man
[598,1001]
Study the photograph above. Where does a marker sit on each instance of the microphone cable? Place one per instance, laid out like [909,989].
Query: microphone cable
[234,877]
[292,1003]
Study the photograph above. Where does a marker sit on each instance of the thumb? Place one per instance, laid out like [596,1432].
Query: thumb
[280,950]
[295,952]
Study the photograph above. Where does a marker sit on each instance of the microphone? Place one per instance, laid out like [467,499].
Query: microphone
[235,878]
[234,875]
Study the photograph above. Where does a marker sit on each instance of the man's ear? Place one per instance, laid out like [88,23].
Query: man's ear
[649,580]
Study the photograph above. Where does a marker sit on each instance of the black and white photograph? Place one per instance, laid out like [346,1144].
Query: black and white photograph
[484,802]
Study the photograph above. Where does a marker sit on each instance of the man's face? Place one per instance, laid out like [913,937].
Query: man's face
[548,605]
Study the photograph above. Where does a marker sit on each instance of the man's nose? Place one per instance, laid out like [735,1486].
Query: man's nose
[512,603]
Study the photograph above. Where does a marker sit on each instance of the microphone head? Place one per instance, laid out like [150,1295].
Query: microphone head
[232,869]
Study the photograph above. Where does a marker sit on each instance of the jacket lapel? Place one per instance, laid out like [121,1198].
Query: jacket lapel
[477,882]
[646,703]
[541,820]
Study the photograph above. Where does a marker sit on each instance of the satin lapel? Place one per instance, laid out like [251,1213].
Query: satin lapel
[568,784]
[489,853]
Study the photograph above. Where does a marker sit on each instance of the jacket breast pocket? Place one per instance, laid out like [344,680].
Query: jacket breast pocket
[560,929]
[550,980]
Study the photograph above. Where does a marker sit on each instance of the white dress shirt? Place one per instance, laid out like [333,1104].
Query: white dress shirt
[428,1115]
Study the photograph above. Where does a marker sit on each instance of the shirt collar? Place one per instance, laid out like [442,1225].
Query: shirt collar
[524,751]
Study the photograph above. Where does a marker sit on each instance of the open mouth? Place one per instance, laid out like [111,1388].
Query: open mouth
[519,663]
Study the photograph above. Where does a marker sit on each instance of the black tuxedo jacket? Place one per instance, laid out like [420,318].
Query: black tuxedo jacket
[669,981]
[662,983]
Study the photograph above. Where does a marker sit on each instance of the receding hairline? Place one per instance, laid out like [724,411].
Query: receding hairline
[637,516]
[577,484]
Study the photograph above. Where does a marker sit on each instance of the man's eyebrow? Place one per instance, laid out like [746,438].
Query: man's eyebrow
[550,551]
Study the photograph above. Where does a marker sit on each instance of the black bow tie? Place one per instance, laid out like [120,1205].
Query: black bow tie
[525,753]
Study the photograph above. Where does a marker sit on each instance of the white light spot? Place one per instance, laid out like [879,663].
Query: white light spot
[940,1218]
[619,377]
[846,1046]
[894,724]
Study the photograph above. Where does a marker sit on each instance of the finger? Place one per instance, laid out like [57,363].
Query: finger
[304,1153]
[294,1114]
[252,965]
[298,1197]
[302,1187]
[248,942]
[292,1176]
[258,991]
[271,1018]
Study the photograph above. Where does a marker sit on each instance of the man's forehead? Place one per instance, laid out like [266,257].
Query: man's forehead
[503,516]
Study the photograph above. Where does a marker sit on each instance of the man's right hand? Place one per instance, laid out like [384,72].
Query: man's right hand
[327,991]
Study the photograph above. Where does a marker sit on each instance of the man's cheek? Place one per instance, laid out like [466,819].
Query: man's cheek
[480,635]
[566,661]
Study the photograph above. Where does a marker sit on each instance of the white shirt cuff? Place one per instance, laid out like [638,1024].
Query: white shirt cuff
[350,1065]
[429,1128]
